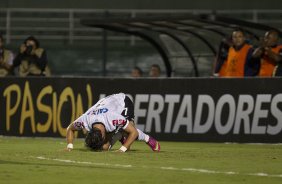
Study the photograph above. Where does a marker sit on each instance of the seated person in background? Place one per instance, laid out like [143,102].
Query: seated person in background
[6,59]
[155,71]
[32,60]
[269,54]
[238,61]
[136,72]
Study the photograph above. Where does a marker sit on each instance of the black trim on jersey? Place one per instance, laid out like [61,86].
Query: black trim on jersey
[128,111]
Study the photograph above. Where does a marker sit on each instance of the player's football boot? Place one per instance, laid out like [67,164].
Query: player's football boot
[154,144]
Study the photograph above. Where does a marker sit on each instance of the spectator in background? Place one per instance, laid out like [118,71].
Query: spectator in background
[136,72]
[277,72]
[269,54]
[6,59]
[238,61]
[155,71]
[32,60]
[222,54]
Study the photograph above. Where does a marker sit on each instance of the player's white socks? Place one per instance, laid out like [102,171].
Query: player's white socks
[142,136]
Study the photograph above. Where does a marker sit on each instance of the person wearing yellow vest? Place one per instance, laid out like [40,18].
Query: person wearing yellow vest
[6,59]
[238,61]
[270,54]
[31,60]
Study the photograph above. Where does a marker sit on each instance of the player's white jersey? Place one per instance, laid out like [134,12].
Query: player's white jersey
[107,111]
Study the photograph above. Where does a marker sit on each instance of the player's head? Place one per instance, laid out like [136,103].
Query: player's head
[94,139]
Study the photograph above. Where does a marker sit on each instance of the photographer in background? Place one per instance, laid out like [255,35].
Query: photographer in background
[32,60]
[6,59]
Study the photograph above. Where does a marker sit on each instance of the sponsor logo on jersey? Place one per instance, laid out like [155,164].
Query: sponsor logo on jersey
[78,125]
[98,111]
[119,122]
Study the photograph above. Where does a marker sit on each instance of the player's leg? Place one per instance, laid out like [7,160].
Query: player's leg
[129,114]
[150,141]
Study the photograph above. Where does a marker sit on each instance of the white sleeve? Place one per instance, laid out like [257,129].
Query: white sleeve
[81,123]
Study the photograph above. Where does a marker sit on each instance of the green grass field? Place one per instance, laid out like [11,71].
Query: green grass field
[42,160]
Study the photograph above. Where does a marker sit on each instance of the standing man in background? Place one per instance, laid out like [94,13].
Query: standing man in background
[270,54]
[6,59]
[238,61]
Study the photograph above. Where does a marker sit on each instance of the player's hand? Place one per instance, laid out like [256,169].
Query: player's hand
[122,149]
[69,147]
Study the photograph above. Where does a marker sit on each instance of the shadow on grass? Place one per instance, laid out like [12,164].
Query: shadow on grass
[111,151]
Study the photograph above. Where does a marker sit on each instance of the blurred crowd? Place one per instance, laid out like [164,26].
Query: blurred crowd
[236,57]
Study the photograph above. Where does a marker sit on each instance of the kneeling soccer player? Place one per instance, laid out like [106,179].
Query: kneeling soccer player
[109,120]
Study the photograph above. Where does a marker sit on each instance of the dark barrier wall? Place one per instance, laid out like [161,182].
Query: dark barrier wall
[144,4]
[213,110]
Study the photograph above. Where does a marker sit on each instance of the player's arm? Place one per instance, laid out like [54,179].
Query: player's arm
[132,135]
[70,136]
[74,126]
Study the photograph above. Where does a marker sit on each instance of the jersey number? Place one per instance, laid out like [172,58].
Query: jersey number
[124,112]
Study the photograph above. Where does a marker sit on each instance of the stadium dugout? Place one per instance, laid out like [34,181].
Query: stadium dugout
[172,36]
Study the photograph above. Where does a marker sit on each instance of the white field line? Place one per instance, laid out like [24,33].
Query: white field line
[88,163]
[205,171]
